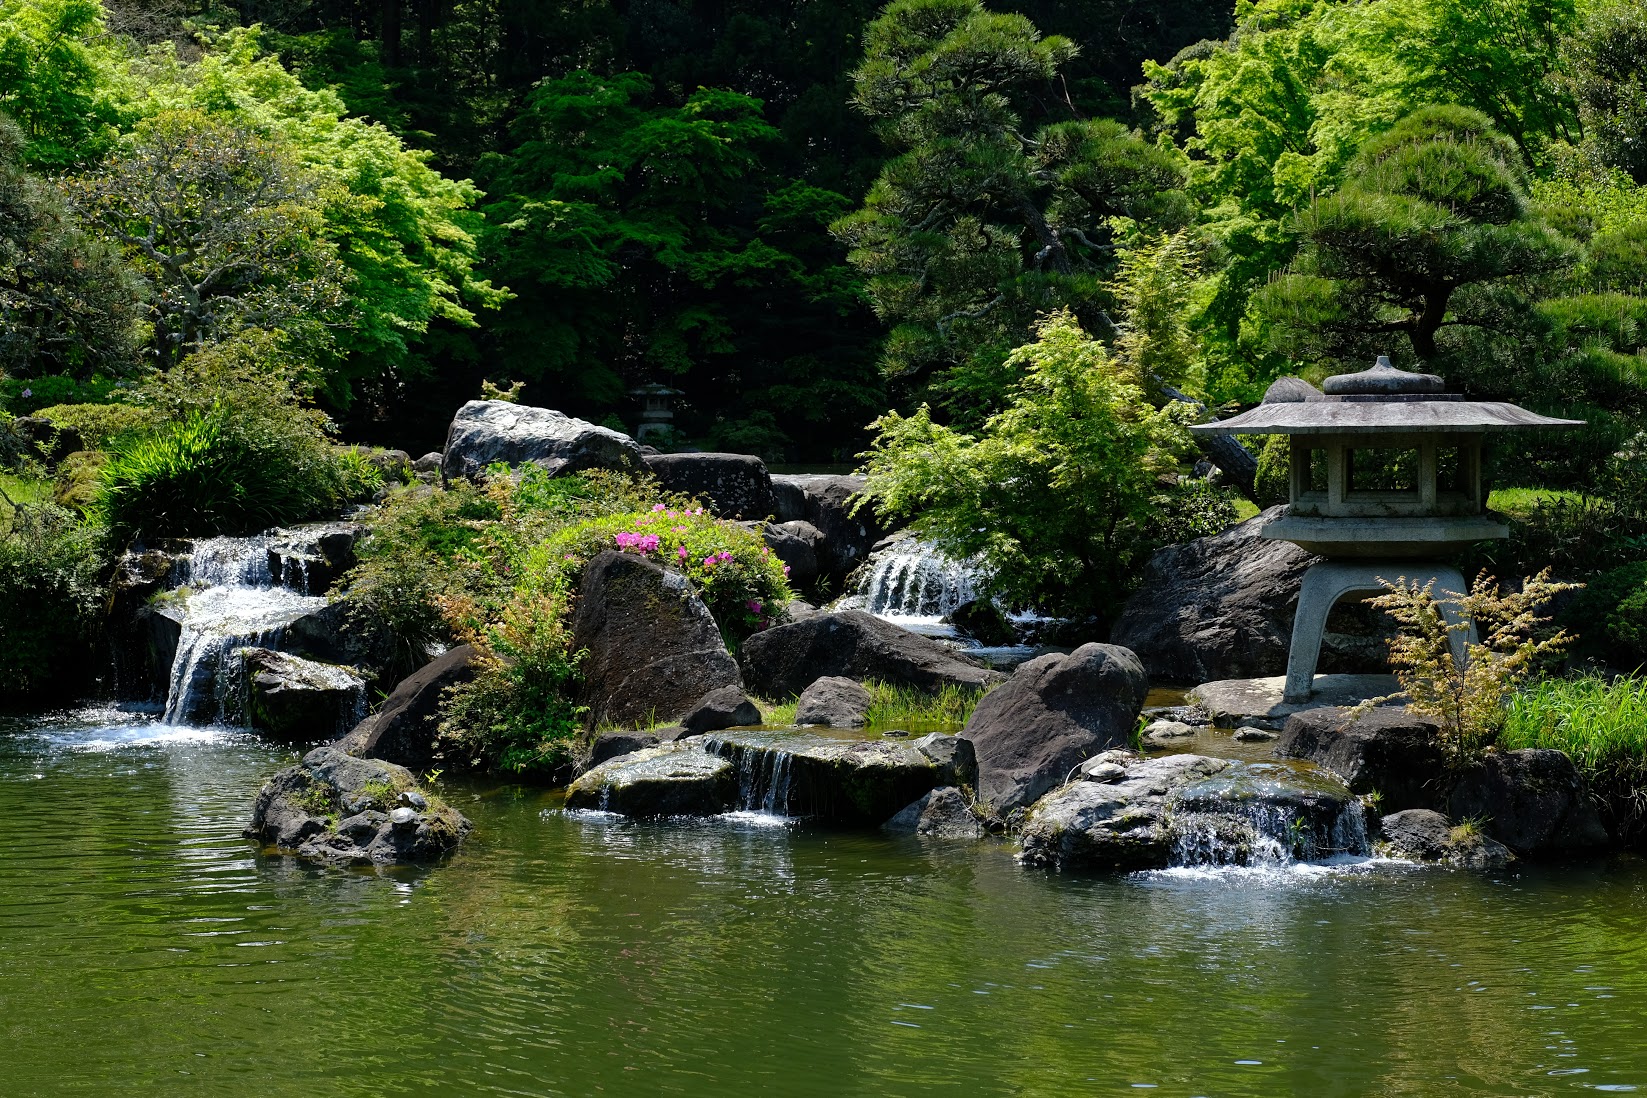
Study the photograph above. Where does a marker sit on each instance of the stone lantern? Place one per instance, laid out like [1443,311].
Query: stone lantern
[1385,480]
[657,409]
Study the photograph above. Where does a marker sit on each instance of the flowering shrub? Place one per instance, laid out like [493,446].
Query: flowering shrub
[734,572]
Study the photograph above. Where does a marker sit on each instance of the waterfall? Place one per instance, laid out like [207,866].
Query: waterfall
[911,580]
[1260,834]
[228,599]
[763,770]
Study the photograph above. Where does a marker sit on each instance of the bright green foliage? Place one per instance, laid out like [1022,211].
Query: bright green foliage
[67,305]
[99,425]
[1273,483]
[736,575]
[1607,62]
[55,79]
[51,600]
[648,241]
[983,219]
[1430,230]
[1057,496]
[1601,724]
[223,228]
[404,233]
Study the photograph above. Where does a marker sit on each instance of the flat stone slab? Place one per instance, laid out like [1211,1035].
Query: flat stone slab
[1257,703]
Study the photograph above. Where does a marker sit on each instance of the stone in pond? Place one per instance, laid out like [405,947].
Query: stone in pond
[1424,835]
[956,759]
[613,745]
[1055,712]
[293,808]
[835,702]
[826,779]
[944,813]
[1255,735]
[1534,801]
[404,728]
[667,780]
[724,707]
[1167,731]
[298,700]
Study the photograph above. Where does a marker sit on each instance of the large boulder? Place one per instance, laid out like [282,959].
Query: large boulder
[295,699]
[668,780]
[796,544]
[827,503]
[1423,835]
[1056,711]
[1127,813]
[404,728]
[736,485]
[339,631]
[615,745]
[1219,607]
[826,779]
[944,813]
[1392,751]
[1533,801]
[723,707]
[834,702]
[653,647]
[333,807]
[786,659]
[485,432]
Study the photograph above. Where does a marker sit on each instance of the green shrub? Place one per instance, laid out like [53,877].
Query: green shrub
[51,596]
[25,396]
[99,425]
[734,572]
[1602,726]
[1272,484]
[80,480]
[1610,615]
[358,479]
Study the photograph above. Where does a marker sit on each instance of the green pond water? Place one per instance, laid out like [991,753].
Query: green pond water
[145,948]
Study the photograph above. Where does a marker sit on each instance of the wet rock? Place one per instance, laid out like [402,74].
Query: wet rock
[1533,801]
[1389,751]
[404,728]
[309,560]
[827,503]
[835,702]
[338,633]
[725,707]
[1055,712]
[295,699]
[796,544]
[983,621]
[613,745]
[788,500]
[1219,607]
[826,779]
[485,432]
[1166,731]
[654,648]
[784,660]
[1424,835]
[1255,735]
[944,813]
[667,780]
[292,810]
[1119,822]
[955,758]
[735,485]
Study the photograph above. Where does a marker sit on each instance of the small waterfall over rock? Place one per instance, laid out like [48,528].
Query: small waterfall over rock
[910,579]
[1265,815]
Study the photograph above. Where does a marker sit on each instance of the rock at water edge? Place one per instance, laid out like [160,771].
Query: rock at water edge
[1423,835]
[725,707]
[667,780]
[944,813]
[1391,751]
[786,659]
[834,702]
[405,727]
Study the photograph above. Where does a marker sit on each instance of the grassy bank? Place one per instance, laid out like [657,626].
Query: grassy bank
[1602,726]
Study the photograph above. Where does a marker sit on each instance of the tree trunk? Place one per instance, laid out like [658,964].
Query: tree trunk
[1238,464]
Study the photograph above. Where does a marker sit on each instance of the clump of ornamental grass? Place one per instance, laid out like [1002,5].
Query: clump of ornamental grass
[894,706]
[1601,724]
[1468,701]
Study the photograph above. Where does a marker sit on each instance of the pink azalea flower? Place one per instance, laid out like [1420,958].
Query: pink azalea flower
[681,552]
[657,507]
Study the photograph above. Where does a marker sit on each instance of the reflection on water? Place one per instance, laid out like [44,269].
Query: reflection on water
[145,947]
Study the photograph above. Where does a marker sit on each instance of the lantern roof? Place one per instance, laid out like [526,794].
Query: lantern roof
[1380,400]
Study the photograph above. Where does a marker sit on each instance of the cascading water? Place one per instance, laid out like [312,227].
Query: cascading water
[912,580]
[228,599]
[1265,815]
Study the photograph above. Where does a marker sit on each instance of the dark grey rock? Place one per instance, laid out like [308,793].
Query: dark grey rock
[828,505]
[654,648]
[724,707]
[339,633]
[1389,751]
[295,699]
[1166,731]
[944,813]
[1120,822]
[142,639]
[405,728]
[835,702]
[612,745]
[667,780]
[1255,735]
[735,485]
[796,544]
[1055,711]
[1427,836]
[983,621]
[784,660]
[955,757]
[1292,390]
[788,500]
[292,810]
[823,778]
[1219,607]
[310,559]
[485,432]
[1533,801]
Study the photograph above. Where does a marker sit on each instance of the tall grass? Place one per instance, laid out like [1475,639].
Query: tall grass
[894,706]
[1602,726]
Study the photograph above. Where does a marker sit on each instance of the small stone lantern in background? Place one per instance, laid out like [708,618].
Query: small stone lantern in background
[657,409]
[1385,482]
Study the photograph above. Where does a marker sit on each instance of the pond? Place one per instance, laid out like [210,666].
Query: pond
[146,947]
